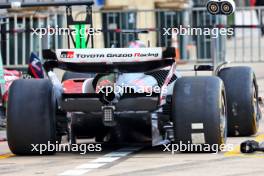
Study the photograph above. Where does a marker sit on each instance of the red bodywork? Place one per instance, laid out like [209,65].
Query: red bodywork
[10,76]
[73,86]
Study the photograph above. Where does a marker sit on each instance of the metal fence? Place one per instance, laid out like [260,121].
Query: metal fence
[157,22]
[244,45]
[247,43]
[18,39]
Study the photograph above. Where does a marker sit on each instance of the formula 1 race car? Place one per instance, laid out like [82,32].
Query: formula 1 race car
[133,95]
[196,110]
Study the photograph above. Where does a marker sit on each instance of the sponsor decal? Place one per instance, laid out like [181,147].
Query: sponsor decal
[86,56]
[146,55]
[67,54]
[110,55]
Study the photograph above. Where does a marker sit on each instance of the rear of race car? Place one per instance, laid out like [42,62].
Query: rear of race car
[112,101]
[159,107]
[136,95]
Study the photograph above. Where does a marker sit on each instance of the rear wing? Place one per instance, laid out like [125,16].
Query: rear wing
[15,5]
[109,59]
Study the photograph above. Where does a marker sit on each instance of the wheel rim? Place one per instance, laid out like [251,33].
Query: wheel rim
[223,119]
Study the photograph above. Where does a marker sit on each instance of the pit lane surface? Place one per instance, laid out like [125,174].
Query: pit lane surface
[140,160]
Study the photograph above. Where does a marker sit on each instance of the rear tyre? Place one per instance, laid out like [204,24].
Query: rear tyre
[242,100]
[31,116]
[199,113]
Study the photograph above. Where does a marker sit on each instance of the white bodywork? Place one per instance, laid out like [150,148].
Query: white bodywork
[109,55]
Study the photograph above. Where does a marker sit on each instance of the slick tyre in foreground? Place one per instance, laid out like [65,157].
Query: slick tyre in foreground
[199,113]
[31,116]
[242,100]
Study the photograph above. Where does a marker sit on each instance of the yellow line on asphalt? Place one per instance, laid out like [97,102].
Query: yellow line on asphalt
[8,155]
[236,150]
[260,138]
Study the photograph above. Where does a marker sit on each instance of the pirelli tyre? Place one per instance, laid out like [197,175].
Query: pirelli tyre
[31,116]
[199,114]
[242,100]
[73,75]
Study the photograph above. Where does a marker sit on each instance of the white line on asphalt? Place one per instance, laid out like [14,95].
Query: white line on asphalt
[118,154]
[75,172]
[90,166]
[106,159]
[101,161]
